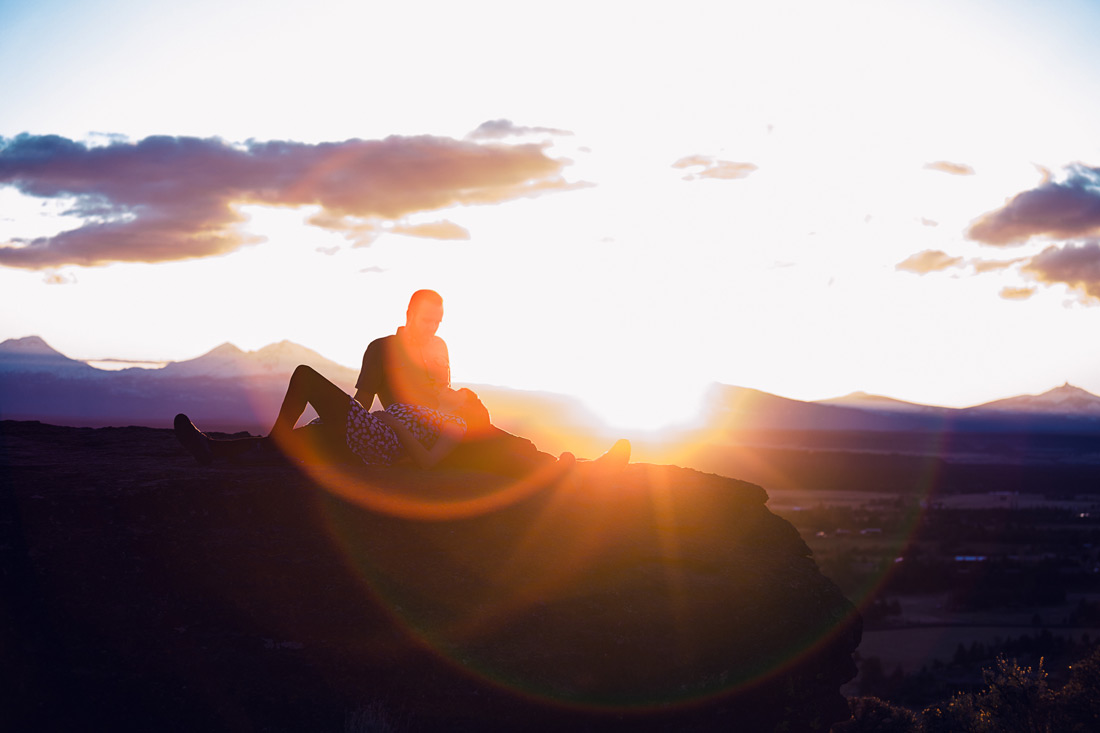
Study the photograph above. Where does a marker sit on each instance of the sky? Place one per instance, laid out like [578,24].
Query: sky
[619,201]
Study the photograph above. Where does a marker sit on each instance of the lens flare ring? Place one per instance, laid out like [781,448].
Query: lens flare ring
[477,570]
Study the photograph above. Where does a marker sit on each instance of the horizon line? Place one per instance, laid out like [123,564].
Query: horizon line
[856,393]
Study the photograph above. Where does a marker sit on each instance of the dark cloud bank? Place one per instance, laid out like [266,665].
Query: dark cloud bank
[1056,209]
[1061,210]
[1064,209]
[174,198]
[1078,267]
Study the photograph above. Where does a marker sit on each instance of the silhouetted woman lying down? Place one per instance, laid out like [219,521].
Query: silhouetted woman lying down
[398,433]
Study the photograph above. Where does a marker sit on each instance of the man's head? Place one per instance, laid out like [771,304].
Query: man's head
[424,315]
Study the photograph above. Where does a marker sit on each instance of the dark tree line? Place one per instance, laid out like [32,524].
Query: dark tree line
[1011,698]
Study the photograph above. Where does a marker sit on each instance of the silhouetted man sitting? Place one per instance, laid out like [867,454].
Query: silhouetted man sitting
[412,367]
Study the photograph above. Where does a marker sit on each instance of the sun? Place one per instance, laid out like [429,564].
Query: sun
[633,408]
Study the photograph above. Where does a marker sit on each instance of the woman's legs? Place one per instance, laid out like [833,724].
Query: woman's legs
[205,449]
[192,439]
[307,386]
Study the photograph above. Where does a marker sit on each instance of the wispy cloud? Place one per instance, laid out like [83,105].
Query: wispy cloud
[53,277]
[1060,209]
[1011,293]
[955,169]
[710,167]
[983,266]
[934,260]
[1076,266]
[497,129]
[173,198]
[444,229]
[930,260]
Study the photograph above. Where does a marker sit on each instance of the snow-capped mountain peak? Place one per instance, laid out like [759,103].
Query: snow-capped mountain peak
[29,345]
[227,350]
[1064,400]
[228,360]
[33,354]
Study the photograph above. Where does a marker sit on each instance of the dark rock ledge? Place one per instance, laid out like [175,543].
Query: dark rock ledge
[140,591]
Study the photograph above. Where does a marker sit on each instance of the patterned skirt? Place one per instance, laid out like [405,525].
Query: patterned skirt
[370,438]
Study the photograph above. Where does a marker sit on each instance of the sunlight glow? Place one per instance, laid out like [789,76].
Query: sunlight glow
[783,278]
[647,407]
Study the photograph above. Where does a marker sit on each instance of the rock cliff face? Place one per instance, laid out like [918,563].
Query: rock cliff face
[146,592]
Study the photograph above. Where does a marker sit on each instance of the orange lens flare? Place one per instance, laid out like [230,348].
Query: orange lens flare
[516,581]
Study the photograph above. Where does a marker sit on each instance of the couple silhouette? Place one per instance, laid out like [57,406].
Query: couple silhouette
[423,420]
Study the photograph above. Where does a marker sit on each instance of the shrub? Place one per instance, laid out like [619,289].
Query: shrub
[960,714]
[1078,703]
[872,715]
[1017,698]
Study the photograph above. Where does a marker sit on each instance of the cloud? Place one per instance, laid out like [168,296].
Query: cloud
[1010,293]
[362,232]
[955,169]
[444,229]
[1077,267]
[496,129]
[172,198]
[1069,208]
[58,278]
[983,266]
[930,260]
[710,167]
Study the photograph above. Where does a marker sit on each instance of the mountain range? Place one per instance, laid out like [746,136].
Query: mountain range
[1064,400]
[230,388]
[33,355]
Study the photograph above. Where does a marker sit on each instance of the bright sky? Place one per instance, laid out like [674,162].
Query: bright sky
[787,196]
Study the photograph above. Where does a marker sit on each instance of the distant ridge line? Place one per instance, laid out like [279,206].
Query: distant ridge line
[1063,409]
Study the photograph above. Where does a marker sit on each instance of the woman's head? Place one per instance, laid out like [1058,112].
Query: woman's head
[465,403]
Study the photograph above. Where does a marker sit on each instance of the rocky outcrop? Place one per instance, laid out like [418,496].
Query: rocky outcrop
[147,592]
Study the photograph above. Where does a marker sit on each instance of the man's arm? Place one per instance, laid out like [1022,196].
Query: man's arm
[370,376]
[437,362]
[423,457]
[447,362]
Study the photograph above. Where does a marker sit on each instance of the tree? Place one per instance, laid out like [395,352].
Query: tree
[872,677]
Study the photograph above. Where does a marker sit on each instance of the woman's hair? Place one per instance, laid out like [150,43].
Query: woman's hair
[472,410]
